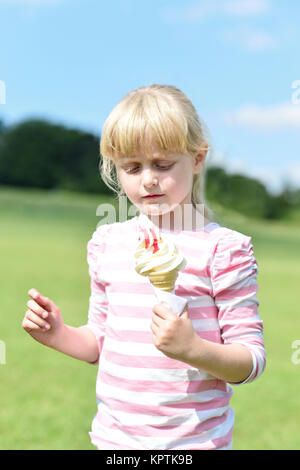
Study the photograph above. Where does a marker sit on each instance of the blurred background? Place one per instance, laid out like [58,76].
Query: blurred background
[64,64]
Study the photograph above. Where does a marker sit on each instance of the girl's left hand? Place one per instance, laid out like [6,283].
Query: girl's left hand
[172,334]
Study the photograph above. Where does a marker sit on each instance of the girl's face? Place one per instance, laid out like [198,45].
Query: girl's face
[157,183]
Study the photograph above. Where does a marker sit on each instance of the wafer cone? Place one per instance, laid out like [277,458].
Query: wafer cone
[164,281]
[164,289]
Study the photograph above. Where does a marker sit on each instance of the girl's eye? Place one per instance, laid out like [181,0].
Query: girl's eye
[135,168]
[164,166]
[131,169]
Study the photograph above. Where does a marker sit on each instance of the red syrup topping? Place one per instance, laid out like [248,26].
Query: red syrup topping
[146,237]
[155,242]
[155,246]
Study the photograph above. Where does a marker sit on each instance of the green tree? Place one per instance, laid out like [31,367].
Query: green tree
[37,153]
[244,194]
[40,154]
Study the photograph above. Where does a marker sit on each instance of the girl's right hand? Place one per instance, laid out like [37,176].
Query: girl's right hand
[43,320]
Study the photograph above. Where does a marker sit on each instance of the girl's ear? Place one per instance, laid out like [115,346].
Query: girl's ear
[200,157]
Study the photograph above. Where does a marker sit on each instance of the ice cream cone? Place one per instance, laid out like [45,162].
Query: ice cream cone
[164,281]
[159,260]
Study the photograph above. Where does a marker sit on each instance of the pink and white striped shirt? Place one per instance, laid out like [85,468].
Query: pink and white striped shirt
[146,400]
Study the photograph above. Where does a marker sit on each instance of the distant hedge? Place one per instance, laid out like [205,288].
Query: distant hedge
[248,195]
[40,154]
[37,153]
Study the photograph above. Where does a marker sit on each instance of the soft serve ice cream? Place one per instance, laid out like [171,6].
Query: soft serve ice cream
[158,259]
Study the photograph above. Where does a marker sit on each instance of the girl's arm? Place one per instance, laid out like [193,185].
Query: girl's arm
[176,337]
[230,362]
[85,342]
[43,321]
[241,357]
[79,343]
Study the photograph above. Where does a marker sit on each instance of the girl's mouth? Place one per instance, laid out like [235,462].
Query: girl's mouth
[153,196]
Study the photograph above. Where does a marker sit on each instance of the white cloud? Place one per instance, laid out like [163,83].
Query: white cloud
[273,177]
[246,7]
[189,13]
[293,175]
[203,9]
[251,39]
[259,40]
[232,165]
[268,118]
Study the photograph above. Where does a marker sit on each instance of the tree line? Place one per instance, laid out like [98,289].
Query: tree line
[40,154]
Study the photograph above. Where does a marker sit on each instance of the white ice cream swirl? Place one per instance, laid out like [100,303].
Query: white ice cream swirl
[161,257]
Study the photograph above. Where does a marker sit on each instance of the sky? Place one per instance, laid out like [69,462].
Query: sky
[71,61]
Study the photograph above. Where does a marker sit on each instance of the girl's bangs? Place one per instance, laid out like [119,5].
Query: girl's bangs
[143,128]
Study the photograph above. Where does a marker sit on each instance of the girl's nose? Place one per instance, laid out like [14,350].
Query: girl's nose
[149,178]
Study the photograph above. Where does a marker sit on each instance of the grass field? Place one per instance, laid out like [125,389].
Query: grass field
[48,399]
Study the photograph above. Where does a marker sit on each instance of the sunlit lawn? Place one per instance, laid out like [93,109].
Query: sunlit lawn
[48,399]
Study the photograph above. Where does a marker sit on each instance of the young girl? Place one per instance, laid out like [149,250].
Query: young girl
[163,379]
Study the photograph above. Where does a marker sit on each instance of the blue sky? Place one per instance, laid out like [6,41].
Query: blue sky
[71,61]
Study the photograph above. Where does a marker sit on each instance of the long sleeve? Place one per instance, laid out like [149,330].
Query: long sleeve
[98,305]
[234,279]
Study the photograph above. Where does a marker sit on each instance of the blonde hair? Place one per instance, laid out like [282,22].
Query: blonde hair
[168,116]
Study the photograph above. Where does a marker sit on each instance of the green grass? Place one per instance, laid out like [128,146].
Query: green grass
[48,399]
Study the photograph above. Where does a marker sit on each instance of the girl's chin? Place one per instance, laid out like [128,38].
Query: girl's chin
[155,209]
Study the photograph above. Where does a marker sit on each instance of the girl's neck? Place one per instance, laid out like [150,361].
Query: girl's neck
[186,218]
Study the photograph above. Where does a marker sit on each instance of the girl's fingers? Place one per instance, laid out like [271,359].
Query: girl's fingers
[163,311]
[33,293]
[36,319]
[29,326]
[156,320]
[44,302]
[154,328]
[36,308]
